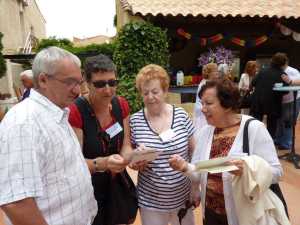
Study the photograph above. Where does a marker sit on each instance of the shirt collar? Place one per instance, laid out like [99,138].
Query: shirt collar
[58,113]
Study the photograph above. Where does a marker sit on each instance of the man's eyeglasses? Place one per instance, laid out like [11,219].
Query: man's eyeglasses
[103,83]
[70,82]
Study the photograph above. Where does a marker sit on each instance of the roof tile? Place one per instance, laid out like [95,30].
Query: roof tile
[269,8]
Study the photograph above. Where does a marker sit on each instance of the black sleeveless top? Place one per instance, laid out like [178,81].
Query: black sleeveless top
[97,143]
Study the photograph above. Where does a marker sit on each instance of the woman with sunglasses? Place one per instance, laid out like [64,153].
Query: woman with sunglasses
[162,191]
[101,121]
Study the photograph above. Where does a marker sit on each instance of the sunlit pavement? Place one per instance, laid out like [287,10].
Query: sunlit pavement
[290,185]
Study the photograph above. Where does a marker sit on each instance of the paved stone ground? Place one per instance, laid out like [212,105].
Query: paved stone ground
[290,185]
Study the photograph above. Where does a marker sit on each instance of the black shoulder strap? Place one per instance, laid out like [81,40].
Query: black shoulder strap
[83,105]
[246,136]
[116,110]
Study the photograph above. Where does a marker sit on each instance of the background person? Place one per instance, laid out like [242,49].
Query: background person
[161,190]
[247,76]
[103,133]
[246,79]
[223,136]
[284,133]
[39,150]
[209,72]
[265,100]
[27,80]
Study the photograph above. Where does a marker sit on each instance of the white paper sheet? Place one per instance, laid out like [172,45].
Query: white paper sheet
[143,155]
[216,165]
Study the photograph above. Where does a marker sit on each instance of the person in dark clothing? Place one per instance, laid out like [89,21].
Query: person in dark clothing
[266,101]
[100,119]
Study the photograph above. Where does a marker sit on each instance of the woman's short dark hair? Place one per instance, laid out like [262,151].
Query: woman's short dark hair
[279,59]
[98,63]
[227,92]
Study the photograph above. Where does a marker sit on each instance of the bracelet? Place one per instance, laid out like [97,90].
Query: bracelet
[96,166]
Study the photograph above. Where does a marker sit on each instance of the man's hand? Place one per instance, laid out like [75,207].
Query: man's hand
[116,163]
[178,163]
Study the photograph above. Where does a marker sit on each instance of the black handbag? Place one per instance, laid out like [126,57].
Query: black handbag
[274,187]
[246,100]
[121,204]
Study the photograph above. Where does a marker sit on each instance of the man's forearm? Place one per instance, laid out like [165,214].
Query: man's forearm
[24,212]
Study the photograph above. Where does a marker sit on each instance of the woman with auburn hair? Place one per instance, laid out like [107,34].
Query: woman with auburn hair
[247,76]
[246,79]
[209,72]
[162,191]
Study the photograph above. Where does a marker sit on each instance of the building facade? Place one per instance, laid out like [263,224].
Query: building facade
[19,21]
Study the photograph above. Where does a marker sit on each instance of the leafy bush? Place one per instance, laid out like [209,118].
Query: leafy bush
[95,49]
[53,41]
[2,62]
[138,44]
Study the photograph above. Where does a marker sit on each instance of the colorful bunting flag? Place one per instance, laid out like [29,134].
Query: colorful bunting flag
[287,31]
[181,32]
[219,37]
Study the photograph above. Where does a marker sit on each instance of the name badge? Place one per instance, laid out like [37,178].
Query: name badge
[167,135]
[114,130]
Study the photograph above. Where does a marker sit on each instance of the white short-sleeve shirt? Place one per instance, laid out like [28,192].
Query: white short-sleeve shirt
[40,157]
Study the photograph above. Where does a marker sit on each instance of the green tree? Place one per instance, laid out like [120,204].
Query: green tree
[53,41]
[2,61]
[138,44]
[81,52]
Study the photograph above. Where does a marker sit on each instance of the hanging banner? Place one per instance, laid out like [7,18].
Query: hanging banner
[287,31]
[182,33]
[218,37]
[260,40]
[238,41]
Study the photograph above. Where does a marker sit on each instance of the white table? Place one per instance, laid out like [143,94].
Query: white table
[291,156]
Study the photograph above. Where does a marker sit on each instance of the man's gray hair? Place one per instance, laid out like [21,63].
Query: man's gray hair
[27,73]
[47,61]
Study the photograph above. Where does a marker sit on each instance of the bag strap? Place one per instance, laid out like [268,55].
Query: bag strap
[116,110]
[246,136]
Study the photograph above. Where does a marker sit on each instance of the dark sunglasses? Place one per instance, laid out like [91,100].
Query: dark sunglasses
[103,83]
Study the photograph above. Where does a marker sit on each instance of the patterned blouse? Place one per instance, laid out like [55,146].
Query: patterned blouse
[221,145]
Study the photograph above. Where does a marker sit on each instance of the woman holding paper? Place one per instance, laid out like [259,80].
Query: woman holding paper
[162,191]
[223,136]
[100,119]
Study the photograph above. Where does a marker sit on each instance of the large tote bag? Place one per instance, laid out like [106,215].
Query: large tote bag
[274,187]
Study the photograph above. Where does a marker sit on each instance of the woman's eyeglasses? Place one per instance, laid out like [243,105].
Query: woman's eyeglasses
[103,83]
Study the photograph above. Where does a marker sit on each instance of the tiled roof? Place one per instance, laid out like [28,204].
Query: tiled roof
[269,8]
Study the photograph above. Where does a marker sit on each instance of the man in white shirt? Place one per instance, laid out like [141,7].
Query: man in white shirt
[284,137]
[27,80]
[44,179]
